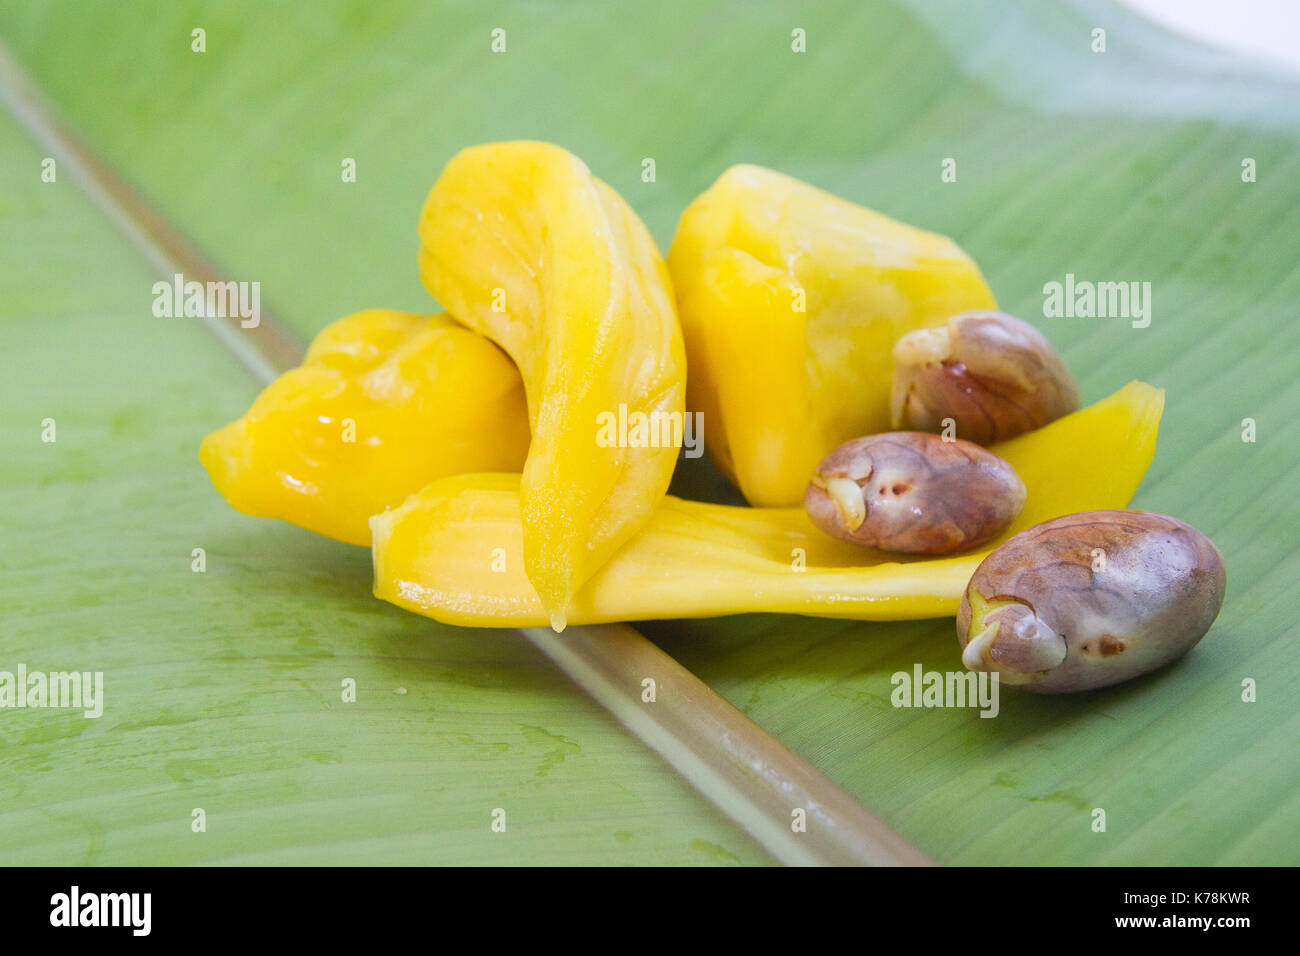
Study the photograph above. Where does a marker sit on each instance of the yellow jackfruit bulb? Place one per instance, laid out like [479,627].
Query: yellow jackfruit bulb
[520,242]
[791,300]
[384,403]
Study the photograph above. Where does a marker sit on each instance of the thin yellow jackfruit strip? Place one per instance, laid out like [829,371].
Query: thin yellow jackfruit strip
[453,551]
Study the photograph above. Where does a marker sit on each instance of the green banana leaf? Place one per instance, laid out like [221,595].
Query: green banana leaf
[223,688]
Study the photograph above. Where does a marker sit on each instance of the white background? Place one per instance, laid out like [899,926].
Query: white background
[1265,29]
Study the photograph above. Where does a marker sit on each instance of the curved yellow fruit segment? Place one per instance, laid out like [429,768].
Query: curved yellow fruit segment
[522,243]
[383,403]
[791,300]
[453,551]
